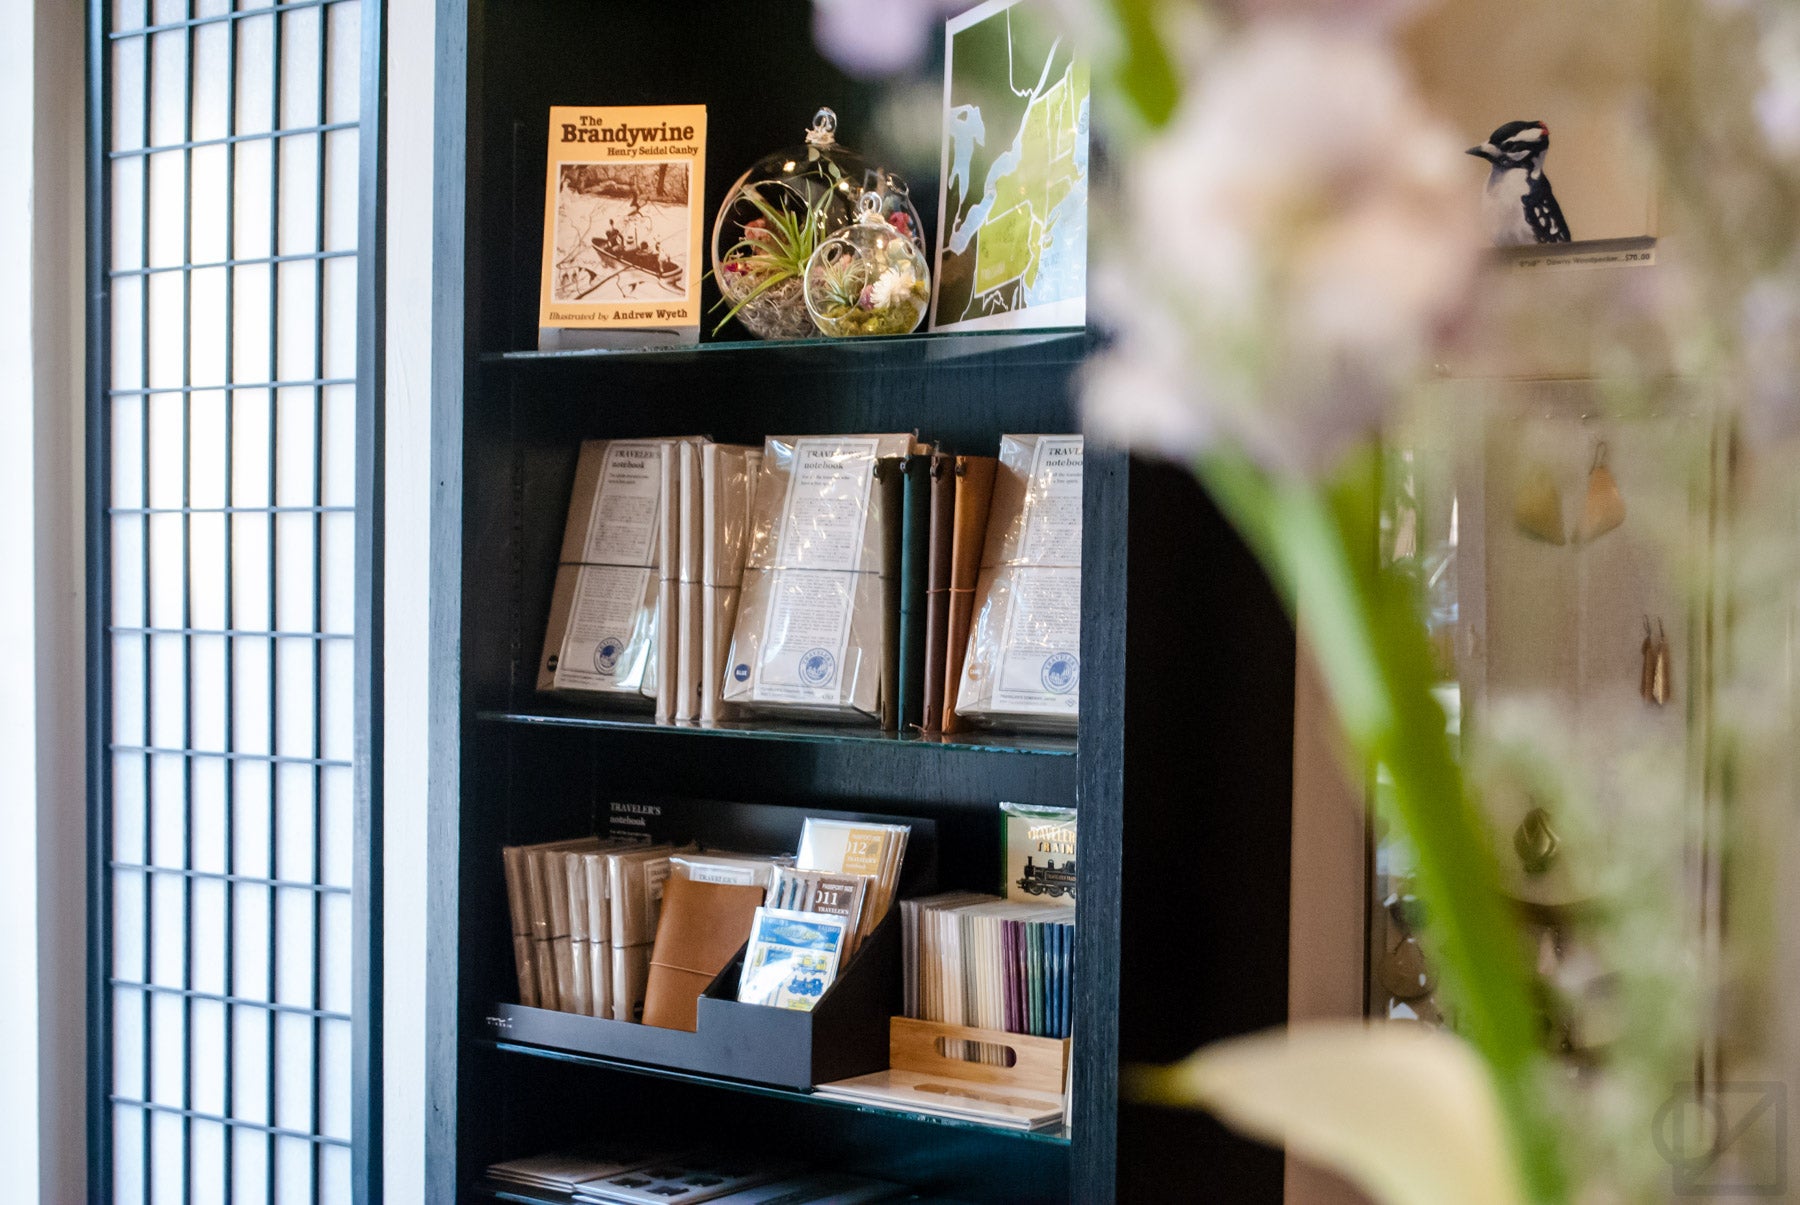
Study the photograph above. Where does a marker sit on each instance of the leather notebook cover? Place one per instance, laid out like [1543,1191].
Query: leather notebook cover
[888,507]
[703,925]
[937,587]
[915,548]
[974,498]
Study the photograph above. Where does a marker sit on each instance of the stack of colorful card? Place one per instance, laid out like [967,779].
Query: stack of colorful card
[979,960]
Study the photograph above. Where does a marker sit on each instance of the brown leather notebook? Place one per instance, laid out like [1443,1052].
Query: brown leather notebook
[937,588]
[702,926]
[974,477]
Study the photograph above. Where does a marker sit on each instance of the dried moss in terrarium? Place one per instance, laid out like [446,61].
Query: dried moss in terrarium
[868,279]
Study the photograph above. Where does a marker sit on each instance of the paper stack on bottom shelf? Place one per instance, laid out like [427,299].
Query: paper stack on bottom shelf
[946,1096]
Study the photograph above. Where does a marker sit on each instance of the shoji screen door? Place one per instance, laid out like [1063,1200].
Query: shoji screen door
[232,188]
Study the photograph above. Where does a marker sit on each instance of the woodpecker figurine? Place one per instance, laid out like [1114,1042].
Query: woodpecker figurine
[1519,207]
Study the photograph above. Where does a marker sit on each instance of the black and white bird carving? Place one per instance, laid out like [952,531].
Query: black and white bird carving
[1519,207]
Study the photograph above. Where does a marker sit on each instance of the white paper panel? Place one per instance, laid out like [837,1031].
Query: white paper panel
[130,1023]
[168,1157]
[208,938]
[187,447]
[206,1160]
[294,828]
[206,1058]
[343,66]
[294,950]
[250,1032]
[250,688]
[298,157]
[293,1078]
[251,832]
[249,1165]
[300,74]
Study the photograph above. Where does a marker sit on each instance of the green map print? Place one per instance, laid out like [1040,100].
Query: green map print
[1013,233]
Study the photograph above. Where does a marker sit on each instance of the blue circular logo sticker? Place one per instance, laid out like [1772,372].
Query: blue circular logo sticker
[1061,672]
[817,667]
[741,672]
[607,653]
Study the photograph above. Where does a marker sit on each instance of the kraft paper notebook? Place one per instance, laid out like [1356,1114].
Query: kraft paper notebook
[890,482]
[703,925]
[974,494]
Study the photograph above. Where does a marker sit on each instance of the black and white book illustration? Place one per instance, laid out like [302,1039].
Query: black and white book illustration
[622,232]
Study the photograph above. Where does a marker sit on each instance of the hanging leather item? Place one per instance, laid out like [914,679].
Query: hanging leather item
[1657,670]
[1604,508]
[1537,507]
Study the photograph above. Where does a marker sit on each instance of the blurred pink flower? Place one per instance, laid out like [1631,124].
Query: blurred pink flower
[879,37]
[1291,248]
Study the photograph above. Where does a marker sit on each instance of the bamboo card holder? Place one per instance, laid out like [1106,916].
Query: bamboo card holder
[1037,1063]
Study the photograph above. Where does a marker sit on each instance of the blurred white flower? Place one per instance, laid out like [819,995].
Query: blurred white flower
[1408,1115]
[878,37]
[1778,100]
[1292,247]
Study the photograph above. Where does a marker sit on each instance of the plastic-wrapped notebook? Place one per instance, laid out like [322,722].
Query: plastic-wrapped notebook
[1023,667]
[811,618]
[668,575]
[727,491]
[687,587]
[600,640]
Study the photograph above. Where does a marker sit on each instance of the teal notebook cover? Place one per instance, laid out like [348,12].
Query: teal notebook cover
[915,552]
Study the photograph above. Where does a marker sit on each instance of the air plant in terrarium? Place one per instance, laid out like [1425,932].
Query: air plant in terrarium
[868,279]
[777,216]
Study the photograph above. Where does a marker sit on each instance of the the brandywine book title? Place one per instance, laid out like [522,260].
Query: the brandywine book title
[623,187]
[624,141]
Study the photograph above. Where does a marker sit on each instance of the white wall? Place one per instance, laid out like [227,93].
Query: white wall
[411,41]
[42,751]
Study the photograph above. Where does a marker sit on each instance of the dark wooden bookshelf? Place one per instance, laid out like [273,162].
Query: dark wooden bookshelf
[1181,770]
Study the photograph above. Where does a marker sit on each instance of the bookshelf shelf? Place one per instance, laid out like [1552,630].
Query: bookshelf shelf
[1001,744]
[1056,1136]
[1181,770]
[1047,347]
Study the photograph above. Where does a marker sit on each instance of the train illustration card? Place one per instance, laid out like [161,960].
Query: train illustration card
[1039,860]
[622,226]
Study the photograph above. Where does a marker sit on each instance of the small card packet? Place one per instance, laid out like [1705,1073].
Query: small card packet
[792,958]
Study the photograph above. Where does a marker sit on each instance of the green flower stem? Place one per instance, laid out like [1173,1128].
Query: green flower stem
[1318,543]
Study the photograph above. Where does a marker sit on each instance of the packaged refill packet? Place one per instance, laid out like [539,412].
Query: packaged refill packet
[812,623]
[1023,665]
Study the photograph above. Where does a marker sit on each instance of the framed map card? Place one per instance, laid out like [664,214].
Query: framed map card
[1012,208]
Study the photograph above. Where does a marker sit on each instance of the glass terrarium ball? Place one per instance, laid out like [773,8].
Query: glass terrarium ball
[868,279]
[776,216]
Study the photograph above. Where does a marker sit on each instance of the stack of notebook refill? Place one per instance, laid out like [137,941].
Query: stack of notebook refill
[843,578]
[813,618]
[601,639]
[1023,666]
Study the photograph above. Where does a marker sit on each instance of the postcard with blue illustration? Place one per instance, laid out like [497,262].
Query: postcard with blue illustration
[792,958]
